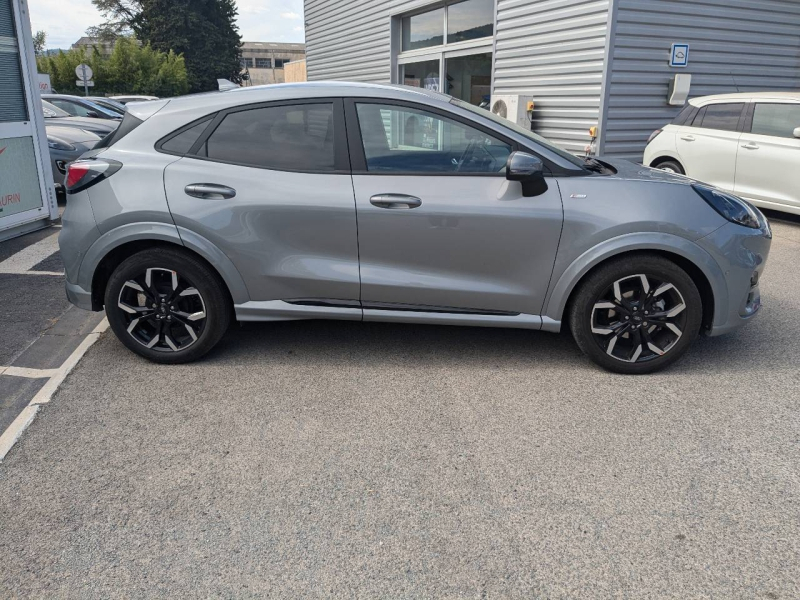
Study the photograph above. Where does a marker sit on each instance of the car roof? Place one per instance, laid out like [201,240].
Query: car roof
[744,96]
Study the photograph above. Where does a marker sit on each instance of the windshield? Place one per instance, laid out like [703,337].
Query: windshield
[51,111]
[520,130]
[102,109]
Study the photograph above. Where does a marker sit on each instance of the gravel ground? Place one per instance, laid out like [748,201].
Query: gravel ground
[380,461]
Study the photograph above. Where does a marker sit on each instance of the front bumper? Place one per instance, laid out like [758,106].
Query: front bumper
[742,255]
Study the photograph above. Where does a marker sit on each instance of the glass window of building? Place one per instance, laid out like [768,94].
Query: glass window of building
[470,20]
[263,63]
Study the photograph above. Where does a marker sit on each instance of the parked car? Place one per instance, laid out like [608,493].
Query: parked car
[133,98]
[56,116]
[746,144]
[385,203]
[109,104]
[80,107]
[66,144]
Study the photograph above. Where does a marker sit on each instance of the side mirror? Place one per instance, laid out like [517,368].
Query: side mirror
[797,132]
[92,114]
[529,170]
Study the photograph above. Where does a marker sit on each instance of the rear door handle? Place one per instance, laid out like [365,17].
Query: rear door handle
[688,138]
[210,191]
[395,201]
[751,146]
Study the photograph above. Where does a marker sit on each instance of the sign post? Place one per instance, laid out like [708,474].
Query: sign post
[84,73]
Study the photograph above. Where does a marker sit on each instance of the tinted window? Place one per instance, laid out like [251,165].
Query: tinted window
[183,142]
[470,20]
[413,141]
[777,120]
[298,137]
[721,116]
[421,31]
[684,115]
[74,109]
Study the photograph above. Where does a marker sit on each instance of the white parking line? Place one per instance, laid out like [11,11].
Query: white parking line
[23,261]
[15,430]
[28,373]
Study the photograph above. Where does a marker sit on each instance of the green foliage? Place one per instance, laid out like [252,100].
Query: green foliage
[203,31]
[131,69]
[39,42]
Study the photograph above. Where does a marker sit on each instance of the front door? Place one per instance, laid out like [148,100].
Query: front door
[769,155]
[271,188]
[439,226]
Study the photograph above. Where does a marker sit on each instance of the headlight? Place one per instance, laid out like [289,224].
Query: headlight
[59,144]
[731,207]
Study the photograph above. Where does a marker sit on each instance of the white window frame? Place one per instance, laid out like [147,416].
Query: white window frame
[442,52]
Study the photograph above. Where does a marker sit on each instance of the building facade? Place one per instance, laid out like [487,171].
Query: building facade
[265,61]
[604,63]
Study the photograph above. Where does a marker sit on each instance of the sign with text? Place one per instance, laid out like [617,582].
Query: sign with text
[19,179]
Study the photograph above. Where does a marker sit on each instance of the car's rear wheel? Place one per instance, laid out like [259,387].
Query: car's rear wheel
[167,306]
[671,166]
[637,314]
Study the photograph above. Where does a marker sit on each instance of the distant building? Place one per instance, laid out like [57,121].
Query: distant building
[88,43]
[265,61]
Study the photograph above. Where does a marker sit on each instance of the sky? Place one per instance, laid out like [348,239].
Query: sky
[259,20]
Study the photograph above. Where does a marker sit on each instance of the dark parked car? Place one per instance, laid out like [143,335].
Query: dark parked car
[109,104]
[66,144]
[81,107]
[56,116]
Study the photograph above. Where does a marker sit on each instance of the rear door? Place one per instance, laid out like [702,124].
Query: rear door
[769,155]
[439,226]
[707,147]
[269,185]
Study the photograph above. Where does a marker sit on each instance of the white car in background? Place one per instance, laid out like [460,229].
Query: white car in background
[747,144]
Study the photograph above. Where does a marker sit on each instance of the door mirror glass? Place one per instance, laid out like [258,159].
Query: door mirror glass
[529,170]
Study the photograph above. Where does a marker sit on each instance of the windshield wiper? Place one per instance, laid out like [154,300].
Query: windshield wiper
[594,165]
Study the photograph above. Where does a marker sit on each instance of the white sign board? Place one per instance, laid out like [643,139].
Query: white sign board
[19,186]
[679,56]
[81,83]
[44,84]
[84,72]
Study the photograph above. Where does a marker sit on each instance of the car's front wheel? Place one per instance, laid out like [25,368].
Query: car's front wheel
[637,314]
[167,306]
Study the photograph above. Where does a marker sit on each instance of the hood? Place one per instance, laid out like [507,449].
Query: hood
[630,171]
[72,135]
[101,127]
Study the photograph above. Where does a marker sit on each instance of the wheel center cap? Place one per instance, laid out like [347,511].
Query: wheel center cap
[637,318]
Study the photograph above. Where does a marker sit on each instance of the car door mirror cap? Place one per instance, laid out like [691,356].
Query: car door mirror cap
[528,170]
[797,132]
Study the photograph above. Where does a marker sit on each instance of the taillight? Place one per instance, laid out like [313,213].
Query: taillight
[83,174]
[655,134]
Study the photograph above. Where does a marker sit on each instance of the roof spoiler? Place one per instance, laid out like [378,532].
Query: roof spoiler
[145,110]
[225,85]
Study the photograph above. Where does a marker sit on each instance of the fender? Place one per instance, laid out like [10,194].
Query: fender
[559,293]
[666,153]
[135,232]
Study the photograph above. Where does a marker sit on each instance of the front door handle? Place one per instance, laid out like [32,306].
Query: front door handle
[210,191]
[751,146]
[688,138]
[395,201]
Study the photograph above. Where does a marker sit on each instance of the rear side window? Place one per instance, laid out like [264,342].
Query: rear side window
[183,141]
[776,120]
[294,138]
[724,117]
[129,123]
[684,115]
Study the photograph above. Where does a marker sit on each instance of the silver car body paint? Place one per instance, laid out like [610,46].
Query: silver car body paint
[298,245]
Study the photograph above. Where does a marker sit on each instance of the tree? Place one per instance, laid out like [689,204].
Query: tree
[39,42]
[131,69]
[203,31]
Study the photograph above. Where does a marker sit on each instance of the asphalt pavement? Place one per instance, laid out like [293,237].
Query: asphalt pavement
[348,460]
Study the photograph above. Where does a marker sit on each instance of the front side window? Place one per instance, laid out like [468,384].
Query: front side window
[407,140]
[724,117]
[73,109]
[293,138]
[776,120]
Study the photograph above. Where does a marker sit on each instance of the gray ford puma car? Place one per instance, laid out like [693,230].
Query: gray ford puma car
[385,203]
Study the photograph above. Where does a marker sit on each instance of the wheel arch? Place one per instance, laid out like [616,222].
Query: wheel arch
[665,157]
[117,245]
[700,266]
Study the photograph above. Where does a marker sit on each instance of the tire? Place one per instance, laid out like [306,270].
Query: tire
[192,309]
[607,320]
[671,166]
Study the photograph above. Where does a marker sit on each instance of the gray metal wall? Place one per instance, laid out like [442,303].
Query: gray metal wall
[744,45]
[554,50]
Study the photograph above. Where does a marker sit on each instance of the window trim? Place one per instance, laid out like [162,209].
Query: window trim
[341,158]
[358,157]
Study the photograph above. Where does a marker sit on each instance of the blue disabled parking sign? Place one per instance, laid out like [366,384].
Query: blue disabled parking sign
[680,55]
